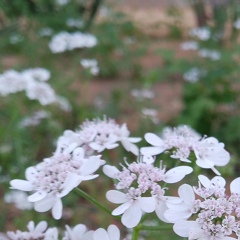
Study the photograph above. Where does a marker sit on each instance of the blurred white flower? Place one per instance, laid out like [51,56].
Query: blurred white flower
[151,113]
[44,32]
[140,94]
[237,24]
[190,45]
[63,103]
[15,38]
[74,22]
[91,65]
[35,119]
[62,2]
[39,74]
[19,199]
[202,33]
[211,54]
[64,41]
[193,75]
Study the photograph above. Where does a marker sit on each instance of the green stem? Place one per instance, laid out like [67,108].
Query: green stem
[136,232]
[92,200]
[156,228]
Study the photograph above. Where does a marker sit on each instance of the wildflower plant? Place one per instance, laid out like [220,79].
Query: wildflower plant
[142,187]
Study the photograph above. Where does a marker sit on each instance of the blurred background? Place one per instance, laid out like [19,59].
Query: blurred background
[150,64]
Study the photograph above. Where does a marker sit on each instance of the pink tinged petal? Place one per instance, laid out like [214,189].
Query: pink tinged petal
[22,185]
[115,196]
[182,228]
[147,204]
[186,193]
[132,215]
[100,234]
[110,171]
[113,232]
[176,174]
[44,204]
[235,186]
[122,208]
[37,196]
[41,227]
[150,151]
[57,209]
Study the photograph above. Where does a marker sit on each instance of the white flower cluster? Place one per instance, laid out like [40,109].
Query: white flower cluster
[183,141]
[202,33]
[237,24]
[194,74]
[211,54]
[73,162]
[74,22]
[98,135]
[140,189]
[34,119]
[214,214]
[34,233]
[80,231]
[190,45]
[65,41]
[32,81]
[91,65]
[55,177]
[141,94]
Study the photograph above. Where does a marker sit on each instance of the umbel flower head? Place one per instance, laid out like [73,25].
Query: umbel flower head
[139,190]
[182,141]
[55,177]
[38,232]
[214,214]
[98,135]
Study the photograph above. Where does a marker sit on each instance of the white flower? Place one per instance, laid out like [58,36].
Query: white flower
[56,177]
[112,233]
[211,54]
[90,64]
[193,75]
[190,45]
[79,232]
[33,232]
[132,206]
[19,199]
[209,153]
[40,91]
[203,33]
[237,24]
[38,74]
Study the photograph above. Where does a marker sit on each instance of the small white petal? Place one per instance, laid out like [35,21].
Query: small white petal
[235,186]
[154,140]
[151,151]
[57,209]
[22,185]
[37,196]
[182,228]
[110,171]
[115,196]
[113,232]
[41,227]
[186,193]
[44,204]
[147,204]
[121,209]
[132,216]
[176,174]
[100,234]
[204,181]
